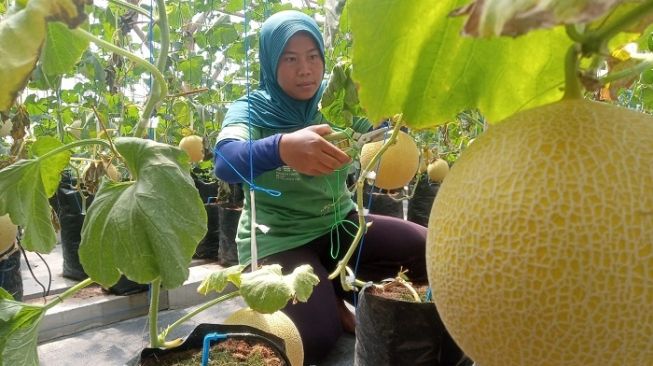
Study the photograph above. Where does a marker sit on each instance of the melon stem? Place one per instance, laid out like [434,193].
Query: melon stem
[573,88]
[341,269]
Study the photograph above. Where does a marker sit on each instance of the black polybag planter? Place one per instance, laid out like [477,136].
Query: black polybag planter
[420,204]
[208,247]
[196,339]
[228,250]
[382,202]
[67,203]
[10,276]
[395,332]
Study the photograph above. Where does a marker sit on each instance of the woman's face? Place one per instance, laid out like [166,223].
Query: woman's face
[300,69]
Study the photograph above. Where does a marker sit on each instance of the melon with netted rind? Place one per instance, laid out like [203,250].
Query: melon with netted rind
[540,241]
[8,233]
[193,145]
[276,323]
[437,170]
[397,165]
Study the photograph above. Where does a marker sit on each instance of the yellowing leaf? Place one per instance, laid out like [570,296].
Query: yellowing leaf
[21,37]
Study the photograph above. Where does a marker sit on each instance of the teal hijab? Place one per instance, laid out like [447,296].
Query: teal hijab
[269,106]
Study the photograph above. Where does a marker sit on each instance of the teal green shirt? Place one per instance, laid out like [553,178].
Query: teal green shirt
[307,208]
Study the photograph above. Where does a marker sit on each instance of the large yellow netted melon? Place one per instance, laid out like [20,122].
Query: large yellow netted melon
[540,242]
[398,163]
[8,233]
[276,323]
[437,170]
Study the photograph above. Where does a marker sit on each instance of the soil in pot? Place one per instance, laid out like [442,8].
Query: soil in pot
[247,345]
[230,352]
[393,329]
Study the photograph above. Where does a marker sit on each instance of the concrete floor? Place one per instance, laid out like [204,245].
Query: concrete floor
[101,329]
[117,343]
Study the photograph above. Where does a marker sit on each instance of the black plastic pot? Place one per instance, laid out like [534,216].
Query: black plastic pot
[68,204]
[382,202]
[396,332]
[228,250]
[196,339]
[10,277]
[420,204]
[208,247]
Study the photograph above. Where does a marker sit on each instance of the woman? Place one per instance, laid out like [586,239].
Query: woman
[313,219]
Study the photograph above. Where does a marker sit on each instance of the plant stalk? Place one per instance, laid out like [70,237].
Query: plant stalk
[66,294]
[198,310]
[159,89]
[362,225]
[131,6]
[604,34]
[73,145]
[122,52]
[155,290]
[410,289]
[645,64]
[573,89]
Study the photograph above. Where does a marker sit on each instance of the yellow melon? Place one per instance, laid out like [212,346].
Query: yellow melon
[8,233]
[437,170]
[193,145]
[398,163]
[276,323]
[540,241]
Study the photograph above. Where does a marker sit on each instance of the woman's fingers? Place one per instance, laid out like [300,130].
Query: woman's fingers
[309,153]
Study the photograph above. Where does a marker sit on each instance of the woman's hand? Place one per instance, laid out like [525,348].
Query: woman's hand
[309,153]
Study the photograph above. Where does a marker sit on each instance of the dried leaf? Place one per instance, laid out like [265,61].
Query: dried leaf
[513,18]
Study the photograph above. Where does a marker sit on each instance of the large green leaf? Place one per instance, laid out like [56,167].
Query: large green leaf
[267,290]
[62,50]
[25,187]
[19,325]
[410,58]
[148,228]
[52,166]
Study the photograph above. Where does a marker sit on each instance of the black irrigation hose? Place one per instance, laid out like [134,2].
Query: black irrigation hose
[46,292]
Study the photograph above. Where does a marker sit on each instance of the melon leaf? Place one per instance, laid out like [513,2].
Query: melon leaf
[410,58]
[147,228]
[25,187]
[19,325]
